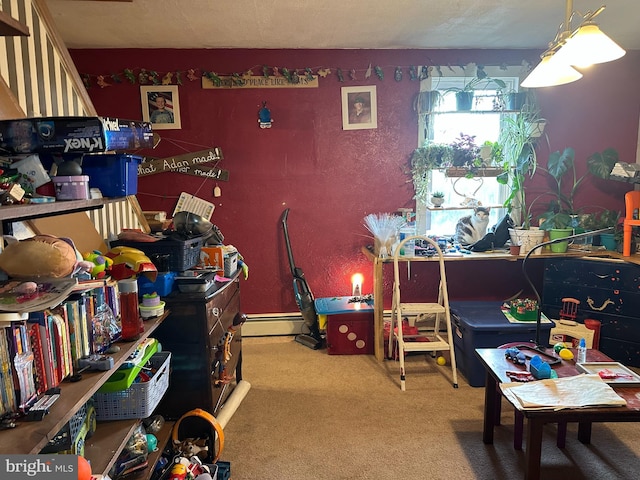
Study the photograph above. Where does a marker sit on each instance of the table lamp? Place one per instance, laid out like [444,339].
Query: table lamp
[540,347]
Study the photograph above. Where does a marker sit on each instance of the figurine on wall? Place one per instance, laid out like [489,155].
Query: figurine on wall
[264,116]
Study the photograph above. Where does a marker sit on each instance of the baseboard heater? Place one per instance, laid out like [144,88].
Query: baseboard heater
[267,324]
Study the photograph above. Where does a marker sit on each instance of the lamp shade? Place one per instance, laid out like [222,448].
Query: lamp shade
[587,46]
[551,72]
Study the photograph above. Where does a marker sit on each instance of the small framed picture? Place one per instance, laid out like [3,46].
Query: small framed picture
[359,108]
[161,106]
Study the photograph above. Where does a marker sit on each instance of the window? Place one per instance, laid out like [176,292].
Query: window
[444,124]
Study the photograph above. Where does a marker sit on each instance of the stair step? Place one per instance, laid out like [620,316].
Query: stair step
[417,308]
[425,346]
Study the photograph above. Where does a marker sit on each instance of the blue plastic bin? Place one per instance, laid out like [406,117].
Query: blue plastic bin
[162,286]
[116,175]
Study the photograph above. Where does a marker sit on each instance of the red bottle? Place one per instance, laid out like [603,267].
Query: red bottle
[132,324]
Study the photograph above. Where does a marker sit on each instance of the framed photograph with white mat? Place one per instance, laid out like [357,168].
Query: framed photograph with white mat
[359,108]
[161,106]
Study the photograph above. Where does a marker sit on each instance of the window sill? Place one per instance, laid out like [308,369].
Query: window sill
[459,207]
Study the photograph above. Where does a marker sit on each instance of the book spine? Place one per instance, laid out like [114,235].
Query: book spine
[38,358]
[8,401]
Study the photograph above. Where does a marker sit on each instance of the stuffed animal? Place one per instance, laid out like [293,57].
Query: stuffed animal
[191,447]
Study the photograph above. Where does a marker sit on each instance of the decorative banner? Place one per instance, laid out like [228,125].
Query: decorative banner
[250,81]
[188,163]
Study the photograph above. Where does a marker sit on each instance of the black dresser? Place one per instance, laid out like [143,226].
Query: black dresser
[609,291]
[205,346]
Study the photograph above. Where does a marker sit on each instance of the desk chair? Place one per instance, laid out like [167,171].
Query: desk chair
[631,219]
[431,338]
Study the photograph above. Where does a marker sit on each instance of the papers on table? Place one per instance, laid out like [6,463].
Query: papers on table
[569,392]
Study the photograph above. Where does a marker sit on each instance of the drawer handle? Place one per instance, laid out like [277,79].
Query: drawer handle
[601,307]
[215,311]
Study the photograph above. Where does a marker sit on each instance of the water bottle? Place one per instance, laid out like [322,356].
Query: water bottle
[582,351]
[409,248]
[132,323]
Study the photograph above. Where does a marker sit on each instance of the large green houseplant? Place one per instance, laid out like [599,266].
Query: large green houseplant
[562,210]
[519,159]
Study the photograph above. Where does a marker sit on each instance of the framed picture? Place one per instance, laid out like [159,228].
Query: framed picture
[359,108]
[161,106]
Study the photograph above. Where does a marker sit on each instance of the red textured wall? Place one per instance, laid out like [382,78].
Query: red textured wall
[330,178]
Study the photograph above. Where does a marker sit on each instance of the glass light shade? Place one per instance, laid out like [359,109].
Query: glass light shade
[589,45]
[551,72]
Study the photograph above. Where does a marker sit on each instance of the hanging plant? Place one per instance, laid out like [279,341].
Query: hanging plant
[429,157]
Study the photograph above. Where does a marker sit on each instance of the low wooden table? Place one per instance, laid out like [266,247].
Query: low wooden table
[495,363]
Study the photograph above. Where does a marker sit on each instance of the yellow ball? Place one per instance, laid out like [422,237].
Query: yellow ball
[441,361]
[566,354]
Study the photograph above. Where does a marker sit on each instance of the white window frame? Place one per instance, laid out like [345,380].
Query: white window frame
[444,77]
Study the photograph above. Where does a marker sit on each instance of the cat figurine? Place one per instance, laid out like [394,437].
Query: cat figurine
[472,228]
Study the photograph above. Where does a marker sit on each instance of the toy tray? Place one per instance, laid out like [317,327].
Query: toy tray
[627,376]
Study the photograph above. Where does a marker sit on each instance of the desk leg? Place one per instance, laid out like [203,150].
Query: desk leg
[584,432]
[533,450]
[490,399]
[378,310]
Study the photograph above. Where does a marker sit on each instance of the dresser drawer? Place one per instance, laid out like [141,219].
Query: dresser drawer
[593,273]
[224,301]
[594,300]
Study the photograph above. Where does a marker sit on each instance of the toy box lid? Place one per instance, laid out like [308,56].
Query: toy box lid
[487,315]
[337,305]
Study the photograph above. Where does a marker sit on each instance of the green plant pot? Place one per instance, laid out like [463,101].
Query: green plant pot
[464,101]
[556,233]
[608,241]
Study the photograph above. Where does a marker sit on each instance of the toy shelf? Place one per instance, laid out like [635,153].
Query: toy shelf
[31,437]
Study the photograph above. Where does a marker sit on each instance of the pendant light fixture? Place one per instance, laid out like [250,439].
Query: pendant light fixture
[580,47]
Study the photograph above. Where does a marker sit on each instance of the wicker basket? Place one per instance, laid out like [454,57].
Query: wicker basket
[140,399]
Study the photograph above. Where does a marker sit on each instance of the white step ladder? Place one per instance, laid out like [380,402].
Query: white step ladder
[430,337]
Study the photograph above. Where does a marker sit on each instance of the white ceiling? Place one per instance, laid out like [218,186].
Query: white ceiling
[331,24]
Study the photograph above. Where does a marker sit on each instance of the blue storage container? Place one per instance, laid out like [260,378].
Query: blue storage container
[163,285]
[116,175]
[478,324]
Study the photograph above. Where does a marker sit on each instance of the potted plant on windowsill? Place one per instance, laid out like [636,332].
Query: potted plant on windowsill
[428,157]
[465,94]
[437,198]
[519,161]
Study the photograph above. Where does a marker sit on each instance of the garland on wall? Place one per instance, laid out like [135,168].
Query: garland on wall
[143,76]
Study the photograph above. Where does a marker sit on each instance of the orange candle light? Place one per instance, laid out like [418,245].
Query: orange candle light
[356,284]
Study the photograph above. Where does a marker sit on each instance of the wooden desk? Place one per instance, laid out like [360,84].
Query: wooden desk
[495,364]
[378,281]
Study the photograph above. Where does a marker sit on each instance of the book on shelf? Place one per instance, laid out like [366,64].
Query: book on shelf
[38,358]
[47,293]
[42,319]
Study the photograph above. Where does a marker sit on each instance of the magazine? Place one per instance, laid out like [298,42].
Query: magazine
[35,294]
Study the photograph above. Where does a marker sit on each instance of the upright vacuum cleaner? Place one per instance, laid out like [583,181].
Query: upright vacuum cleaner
[304,298]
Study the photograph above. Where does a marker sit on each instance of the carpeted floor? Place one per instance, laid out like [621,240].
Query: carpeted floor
[313,416]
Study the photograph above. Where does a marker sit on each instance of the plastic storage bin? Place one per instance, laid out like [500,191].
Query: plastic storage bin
[75,187]
[163,285]
[478,324]
[116,175]
[182,254]
[349,325]
[140,399]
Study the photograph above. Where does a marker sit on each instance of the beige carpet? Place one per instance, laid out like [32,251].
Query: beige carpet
[315,416]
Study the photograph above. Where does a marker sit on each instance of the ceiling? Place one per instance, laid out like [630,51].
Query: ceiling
[330,24]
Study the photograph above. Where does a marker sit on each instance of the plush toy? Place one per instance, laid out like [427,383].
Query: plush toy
[99,263]
[39,256]
[191,447]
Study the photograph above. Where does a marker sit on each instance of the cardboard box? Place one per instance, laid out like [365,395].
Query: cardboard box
[73,135]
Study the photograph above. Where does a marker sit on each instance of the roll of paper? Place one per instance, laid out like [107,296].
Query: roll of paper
[233,402]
